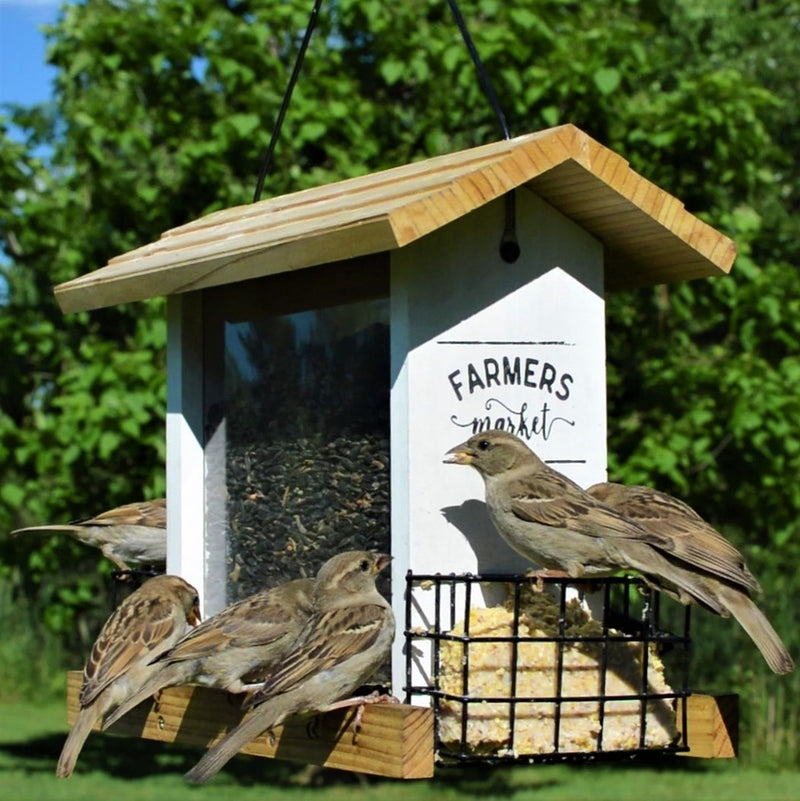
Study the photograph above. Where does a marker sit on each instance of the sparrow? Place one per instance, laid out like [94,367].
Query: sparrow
[244,642]
[345,641]
[551,521]
[150,620]
[131,536]
[714,562]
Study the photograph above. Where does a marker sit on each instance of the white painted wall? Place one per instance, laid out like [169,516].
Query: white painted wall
[185,464]
[459,316]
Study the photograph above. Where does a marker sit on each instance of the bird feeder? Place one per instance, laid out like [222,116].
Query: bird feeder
[325,348]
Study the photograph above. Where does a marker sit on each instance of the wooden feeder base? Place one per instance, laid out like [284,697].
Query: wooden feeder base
[395,740]
[712,723]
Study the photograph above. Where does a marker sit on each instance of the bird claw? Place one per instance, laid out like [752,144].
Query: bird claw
[540,574]
[374,697]
[360,701]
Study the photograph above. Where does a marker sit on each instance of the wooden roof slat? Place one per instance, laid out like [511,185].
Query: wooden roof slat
[246,220]
[650,234]
[439,167]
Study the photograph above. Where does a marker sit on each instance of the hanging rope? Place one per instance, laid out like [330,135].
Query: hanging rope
[287,96]
[482,76]
[509,247]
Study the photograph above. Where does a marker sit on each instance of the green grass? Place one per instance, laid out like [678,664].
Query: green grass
[122,769]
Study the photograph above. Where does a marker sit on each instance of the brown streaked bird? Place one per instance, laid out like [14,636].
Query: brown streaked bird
[149,621]
[342,645]
[714,562]
[131,536]
[550,520]
[241,644]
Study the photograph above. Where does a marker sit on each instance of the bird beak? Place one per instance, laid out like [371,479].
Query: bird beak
[461,454]
[194,616]
[381,561]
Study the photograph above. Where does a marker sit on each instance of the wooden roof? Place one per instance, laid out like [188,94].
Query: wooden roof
[648,236]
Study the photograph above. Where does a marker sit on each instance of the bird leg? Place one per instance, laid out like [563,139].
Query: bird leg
[122,573]
[540,574]
[157,700]
[360,701]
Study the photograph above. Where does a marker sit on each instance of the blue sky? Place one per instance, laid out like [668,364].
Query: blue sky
[24,76]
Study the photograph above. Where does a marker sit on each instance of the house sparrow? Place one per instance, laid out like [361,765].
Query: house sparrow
[148,622]
[550,520]
[345,641]
[244,642]
[703,551]
[131,536]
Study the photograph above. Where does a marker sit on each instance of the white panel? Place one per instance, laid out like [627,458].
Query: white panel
[478,342]
[185,507]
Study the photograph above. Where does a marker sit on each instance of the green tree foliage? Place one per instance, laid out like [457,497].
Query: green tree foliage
[161,112]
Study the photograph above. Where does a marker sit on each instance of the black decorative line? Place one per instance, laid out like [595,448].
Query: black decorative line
[504,342]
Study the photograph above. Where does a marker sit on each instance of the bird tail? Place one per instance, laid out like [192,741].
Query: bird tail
[166,677]
[664,574]
[74,742]
[220,754]
[760,630]
[42,529]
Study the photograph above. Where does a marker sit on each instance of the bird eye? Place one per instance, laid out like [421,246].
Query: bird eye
[484,445]
[364,565]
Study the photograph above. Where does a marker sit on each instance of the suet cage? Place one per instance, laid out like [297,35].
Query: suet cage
[545,675]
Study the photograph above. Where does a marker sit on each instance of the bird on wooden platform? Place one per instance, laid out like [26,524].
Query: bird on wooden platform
[131,536]
[234,648]
[149,621]
[346,640]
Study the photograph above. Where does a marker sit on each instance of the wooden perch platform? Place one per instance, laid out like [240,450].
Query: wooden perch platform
[712,726]
[395,740]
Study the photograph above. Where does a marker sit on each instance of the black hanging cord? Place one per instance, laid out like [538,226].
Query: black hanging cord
[287,96]
[482,76]
[509,246]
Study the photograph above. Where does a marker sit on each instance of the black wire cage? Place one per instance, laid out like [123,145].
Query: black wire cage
[522,669]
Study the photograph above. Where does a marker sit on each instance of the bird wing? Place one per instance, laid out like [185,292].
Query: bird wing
[553,500]
[142,513]
[693,540]
[329,639]
[132,632]
[259,620]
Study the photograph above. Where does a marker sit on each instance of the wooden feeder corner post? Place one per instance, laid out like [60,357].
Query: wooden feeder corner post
[393,281]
